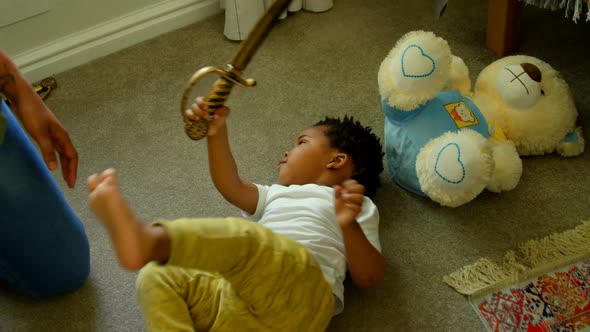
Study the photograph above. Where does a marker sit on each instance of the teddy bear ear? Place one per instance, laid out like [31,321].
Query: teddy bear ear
[415,70]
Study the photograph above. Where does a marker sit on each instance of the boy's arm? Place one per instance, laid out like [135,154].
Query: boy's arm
[222,165]
[224,172]
[365,263]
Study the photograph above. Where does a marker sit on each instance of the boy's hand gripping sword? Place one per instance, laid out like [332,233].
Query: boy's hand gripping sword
[197,129]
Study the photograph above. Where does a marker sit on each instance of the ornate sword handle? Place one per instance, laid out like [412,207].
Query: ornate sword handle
[215,99]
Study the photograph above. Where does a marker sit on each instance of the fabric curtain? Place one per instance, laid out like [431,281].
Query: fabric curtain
[242,15]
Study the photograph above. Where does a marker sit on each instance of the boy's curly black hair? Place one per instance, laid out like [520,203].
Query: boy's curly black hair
[359,142]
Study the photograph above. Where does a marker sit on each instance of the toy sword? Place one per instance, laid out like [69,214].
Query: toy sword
[230,76]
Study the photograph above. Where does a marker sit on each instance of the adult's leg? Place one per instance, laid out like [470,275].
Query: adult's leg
[43,246]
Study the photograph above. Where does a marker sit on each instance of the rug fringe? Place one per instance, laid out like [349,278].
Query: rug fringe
[573,7]
[534,257]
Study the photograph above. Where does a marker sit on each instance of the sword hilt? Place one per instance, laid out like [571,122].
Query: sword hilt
[215,99]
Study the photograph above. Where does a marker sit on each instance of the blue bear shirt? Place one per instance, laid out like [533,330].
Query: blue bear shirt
[406,132]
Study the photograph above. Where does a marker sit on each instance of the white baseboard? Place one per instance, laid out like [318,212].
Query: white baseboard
[103,39]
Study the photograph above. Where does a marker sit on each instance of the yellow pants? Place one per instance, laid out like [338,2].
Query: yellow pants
[233,275]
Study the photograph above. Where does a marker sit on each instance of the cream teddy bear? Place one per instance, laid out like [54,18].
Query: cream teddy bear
[448,143]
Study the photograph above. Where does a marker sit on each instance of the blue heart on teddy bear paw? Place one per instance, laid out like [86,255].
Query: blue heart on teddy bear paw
[416,63]
[449,165]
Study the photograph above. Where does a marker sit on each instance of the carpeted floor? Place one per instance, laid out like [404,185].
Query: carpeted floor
[122,112]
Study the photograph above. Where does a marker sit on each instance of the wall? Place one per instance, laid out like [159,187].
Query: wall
[73,32]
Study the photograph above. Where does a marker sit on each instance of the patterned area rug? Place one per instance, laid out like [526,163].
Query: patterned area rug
[545,286]
[556,301]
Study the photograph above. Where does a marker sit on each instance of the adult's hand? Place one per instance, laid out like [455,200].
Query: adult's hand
[50,135]
[38,120]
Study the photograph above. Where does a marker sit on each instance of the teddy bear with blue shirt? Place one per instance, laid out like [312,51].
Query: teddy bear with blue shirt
[449,143]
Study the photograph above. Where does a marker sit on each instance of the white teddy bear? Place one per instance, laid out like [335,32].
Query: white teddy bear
[449,144]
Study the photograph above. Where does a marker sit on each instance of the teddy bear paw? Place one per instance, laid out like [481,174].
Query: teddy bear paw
[572,145]
[455,167]
[415,70]
[507,169]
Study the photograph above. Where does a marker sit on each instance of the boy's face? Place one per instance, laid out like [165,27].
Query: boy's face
[308,159]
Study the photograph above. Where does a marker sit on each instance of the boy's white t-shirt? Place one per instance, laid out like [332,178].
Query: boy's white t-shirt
[305,213]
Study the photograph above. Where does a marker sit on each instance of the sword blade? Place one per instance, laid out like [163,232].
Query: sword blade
[258,34]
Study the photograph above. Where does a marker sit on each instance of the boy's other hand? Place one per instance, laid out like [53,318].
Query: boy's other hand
[198,111]
[348,201]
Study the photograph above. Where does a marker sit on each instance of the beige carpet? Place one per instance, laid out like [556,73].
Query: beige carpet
[122,111]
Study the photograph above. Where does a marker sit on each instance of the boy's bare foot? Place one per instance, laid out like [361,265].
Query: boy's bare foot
[131,238]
